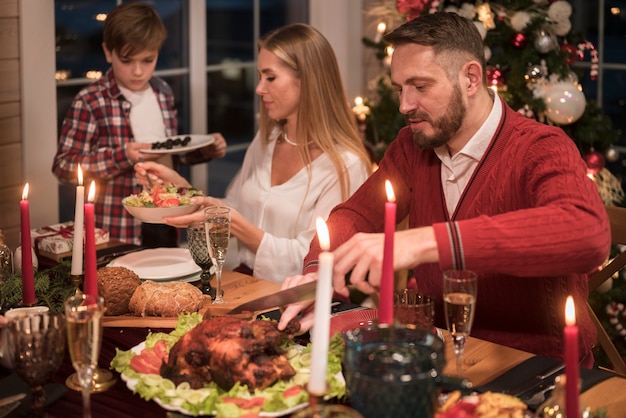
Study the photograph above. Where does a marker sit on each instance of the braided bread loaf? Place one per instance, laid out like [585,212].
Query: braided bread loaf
[165,299]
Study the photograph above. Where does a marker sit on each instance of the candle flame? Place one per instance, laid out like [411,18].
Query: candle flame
[80,175]
[322,234]
[570,312]
[25,192]
[391,196]
[389,51]
[92,192]
[381,27]
[358,100]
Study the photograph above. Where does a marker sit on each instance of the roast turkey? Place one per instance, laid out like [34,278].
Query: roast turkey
[227,350]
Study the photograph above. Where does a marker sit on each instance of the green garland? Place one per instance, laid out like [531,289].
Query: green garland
[52,287]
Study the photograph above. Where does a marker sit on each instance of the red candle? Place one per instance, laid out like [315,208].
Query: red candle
[28,275]
[570,334]
[91,274]
[385,309]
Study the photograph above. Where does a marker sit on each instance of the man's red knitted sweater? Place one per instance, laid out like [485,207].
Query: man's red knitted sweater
[530,222]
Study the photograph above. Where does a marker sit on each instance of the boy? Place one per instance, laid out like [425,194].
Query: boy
[112,119]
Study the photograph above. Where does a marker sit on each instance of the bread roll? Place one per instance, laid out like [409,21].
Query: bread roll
[116,285]
[165,299]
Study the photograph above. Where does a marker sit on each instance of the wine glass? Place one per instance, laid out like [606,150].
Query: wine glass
[84,337]
[217,228]
[38,346]
[459,297]
[197,242]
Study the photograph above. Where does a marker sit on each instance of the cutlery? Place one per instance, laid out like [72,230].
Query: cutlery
[10,399]
[284,297]
[10,403]
[536,381]
[538,397]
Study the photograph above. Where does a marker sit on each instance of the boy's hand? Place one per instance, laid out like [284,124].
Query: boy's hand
[134,155]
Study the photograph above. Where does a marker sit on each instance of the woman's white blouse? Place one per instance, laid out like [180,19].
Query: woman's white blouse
[286,212]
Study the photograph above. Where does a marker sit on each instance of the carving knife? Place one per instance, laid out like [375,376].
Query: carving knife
[284,297]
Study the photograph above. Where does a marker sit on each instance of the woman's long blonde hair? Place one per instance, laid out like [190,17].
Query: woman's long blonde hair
[324,114]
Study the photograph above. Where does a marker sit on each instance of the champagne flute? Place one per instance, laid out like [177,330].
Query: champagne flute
[84,337]
[37,342]
[459,297]
[217,228]
[197,242]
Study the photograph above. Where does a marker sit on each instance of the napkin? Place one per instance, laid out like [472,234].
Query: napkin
[13,384]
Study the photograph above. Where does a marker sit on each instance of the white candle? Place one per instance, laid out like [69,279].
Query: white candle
[321,327]
[79,213]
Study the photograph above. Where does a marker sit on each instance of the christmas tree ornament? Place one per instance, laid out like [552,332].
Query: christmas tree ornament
[612,154]
[565,103]
[495,77]
[571,53]
[594,161]
[519,40]
[544,42]
[487,53]
[534,73]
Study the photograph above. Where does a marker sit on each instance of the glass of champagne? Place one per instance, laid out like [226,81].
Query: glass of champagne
[217,228]
[83,315]
[459,297]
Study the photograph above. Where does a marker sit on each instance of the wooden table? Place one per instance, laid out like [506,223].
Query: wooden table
[483,361]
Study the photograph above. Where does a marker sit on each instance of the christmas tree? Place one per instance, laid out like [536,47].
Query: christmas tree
[531,53]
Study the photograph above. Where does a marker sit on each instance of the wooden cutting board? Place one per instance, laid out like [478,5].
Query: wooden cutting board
[238,288]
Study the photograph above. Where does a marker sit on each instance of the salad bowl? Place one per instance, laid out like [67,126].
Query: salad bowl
[151,206]
[155,215]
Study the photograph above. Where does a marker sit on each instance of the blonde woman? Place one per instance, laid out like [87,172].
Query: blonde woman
[306,158]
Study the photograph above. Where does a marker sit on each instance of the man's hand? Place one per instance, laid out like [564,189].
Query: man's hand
[362,256]
[304,308]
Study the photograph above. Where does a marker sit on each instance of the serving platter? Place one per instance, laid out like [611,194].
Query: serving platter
[172,404]
[183,399]
[197,141]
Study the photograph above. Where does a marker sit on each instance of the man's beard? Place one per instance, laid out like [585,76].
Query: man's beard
[444,127]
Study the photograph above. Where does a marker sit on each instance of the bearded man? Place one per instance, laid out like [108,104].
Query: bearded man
[484,189]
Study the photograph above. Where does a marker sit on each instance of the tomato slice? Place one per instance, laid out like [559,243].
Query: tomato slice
[292,391]
[149,360]
[169,202]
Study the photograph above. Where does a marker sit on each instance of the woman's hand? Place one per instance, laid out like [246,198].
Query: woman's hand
[197,216]
[159,174]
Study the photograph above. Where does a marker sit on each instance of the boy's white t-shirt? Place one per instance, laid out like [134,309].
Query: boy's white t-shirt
[146,119]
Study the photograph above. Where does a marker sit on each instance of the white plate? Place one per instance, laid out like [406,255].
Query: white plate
[197,141]
[159,264]
[131,383]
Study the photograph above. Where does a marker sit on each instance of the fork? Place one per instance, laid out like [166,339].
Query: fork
[147,173]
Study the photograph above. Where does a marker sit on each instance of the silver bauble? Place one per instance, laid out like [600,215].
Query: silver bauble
[612,154]
[534,73]
[544,42]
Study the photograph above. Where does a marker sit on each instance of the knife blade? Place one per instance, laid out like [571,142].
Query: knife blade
[284,297]
[536,381]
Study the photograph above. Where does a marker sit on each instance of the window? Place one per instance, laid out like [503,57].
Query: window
[232,28]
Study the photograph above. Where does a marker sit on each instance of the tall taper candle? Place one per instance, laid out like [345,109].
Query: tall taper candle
[385,311]
[321,324]
[79,211]
[91,270]
[28,275]
[570,334]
